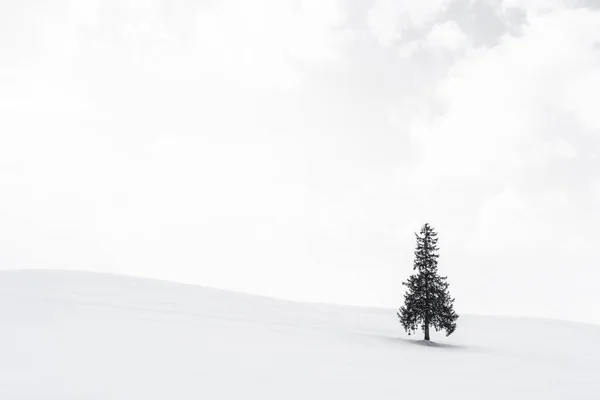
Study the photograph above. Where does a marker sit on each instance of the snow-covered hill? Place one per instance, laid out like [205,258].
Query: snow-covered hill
[74,335]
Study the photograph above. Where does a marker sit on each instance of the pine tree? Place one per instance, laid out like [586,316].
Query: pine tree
[426,300]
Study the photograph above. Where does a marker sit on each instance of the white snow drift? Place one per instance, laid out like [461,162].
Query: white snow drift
[72,335]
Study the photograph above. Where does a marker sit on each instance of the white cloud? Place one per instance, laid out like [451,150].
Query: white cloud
[419,13]
[501,223]
[534,7]
[443,37]
[85,12]
[596,190]
[252,42]
[559,149]
[382,22]
[387,19]
[495,101]
[408,50]
[582,97]
[516,221]
[446,36]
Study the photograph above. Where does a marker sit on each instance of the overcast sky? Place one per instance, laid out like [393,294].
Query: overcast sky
[291,148]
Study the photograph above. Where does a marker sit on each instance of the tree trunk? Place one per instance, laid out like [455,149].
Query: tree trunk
[426,330]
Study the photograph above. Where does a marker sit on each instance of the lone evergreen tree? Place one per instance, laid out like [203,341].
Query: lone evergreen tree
[427,301]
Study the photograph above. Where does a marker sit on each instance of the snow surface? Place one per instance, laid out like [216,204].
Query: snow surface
[74,335]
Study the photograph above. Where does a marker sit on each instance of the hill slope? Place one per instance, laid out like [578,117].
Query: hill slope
[74,335]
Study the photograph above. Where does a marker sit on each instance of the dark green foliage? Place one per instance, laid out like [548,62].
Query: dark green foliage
[427,301]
